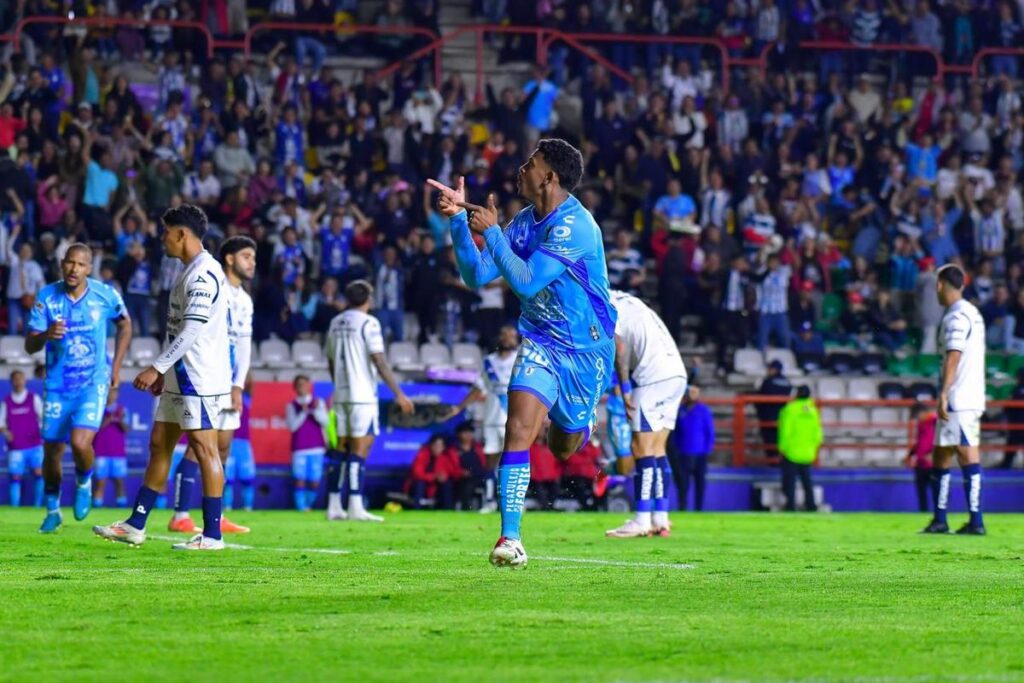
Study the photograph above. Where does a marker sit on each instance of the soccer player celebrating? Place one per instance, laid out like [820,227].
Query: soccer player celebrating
[961,401]
[647,355]
[111,459]
[355,354]
[21,416]
[69,320]
[238,258]
[492,387]
[551,255]
[197,391]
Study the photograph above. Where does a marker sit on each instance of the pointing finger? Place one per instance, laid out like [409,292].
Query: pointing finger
[469,207]
[438,186]
[490,202]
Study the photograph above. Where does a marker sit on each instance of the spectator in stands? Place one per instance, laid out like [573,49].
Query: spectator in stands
[135,276]
[1015,420]
[855,323]
[24,280]
[734,318]
[775,384]
[692,443]
[424,287]
[888,322]
[435,470]
[773,300]
[545,475]
[623,257]
[675,209]
[389,290]
[809,348]
[800,437]
[542,108]
[472,465]
[920,455]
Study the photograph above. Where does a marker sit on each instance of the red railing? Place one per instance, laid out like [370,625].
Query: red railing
[878,436]
[984,52]
[103,22]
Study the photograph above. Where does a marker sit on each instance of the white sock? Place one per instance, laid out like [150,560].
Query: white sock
[178,516]
[355,505]
[643,518]
[660,519]
[334,502]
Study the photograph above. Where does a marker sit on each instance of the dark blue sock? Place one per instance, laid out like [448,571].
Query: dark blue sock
[940,492]
[335,461]
[346,458]
[211,517]
[184,482]
[513,480]
[972,492]
[662,477]
[51,496]
[145,500]
[83,477]
[643,484]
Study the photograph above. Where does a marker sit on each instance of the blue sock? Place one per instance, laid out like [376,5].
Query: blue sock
[972,492]
[184,482]
[248,494]
[121,501]
[643,484]
[51,496]
[662,477]
[145,500]
[300,497]
[37,493]
[15,492]
[940,493]
[346,458]
[335,463]
[229,494]
[161,502]
[513,480]
[211,517]
[83,477]
[309,499]
[97,502]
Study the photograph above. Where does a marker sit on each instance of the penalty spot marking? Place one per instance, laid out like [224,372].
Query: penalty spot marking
[615,563]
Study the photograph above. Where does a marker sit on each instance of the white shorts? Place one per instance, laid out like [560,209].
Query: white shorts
[230,420]
[963,428]
[494,438]
[192,413]
[357,420]
[655,406]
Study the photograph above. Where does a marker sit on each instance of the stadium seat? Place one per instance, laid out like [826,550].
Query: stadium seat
[863,389]
[467,356]
[404,356]
[871,363]
[840,362]
[261,375]
[12,350]
[143,351]
[275,353]
[901,367]
[846,457]
[320,376]
[831,309]
[308,354]
[749,362]
[831,388]
[829,421]
[889,423]
[891,391]
[289,374]
[853,420]
[788,360]
[927,364]
[922,391]
[435,355]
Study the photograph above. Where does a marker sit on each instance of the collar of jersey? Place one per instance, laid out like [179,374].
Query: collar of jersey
[68,295]
[557,210]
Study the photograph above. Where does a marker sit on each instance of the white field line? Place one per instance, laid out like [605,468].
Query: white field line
[614,563]
[239,546]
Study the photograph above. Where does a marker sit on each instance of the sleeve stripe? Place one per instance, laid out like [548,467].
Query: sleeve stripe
[557,257]
[195,317]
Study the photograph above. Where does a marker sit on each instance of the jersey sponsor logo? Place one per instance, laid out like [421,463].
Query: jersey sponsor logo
[199,278]
[199,293]
[560,233]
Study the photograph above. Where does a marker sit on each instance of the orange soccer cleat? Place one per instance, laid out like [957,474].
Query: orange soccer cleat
[185,525]
[229,527]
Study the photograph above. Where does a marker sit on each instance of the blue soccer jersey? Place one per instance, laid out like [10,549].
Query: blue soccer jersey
[79,359]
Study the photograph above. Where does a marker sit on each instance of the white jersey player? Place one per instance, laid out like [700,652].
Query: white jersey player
[961,401]
[192,378]
[355,355]
[652,380]
[492,388]
[238,258]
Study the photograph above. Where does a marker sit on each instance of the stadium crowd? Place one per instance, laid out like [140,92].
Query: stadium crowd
[800,207]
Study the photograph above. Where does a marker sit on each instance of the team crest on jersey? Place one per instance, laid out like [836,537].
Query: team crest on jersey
[95,315]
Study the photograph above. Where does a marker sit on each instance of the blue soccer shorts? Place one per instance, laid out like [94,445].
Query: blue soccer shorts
[240,465]
[67,410]
[570,384]
[107,467]
[308,464]
[21,462]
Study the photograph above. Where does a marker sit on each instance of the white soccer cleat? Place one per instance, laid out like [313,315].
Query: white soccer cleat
[364,516]
[487,508]
[509,552]
[338,515]
[631,529]
[122,532]
[200,542]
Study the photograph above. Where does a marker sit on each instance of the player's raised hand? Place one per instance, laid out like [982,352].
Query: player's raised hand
[146,379]
[450,199]
[404,404]
[481,217]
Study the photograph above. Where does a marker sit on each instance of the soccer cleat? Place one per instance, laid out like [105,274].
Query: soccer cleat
[52,523]
[971,530]
[631,529]
[122,532]
[200,542]
[185,525]
[661,531]
[83,500]
[338,515]
[936,528]
[488,507]
[509,552]
[364,516]
[229,527]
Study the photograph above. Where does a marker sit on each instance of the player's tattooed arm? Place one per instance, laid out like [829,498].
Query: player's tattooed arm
[389,378]
[622,371]
[474,395]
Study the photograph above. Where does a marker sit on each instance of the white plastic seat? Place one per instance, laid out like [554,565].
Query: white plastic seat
[788,360]
[829,417]
[831,388]
[749,362]
[888,423]
[404,356]
[12,350]
[307,353]
[467,356]
[143,351]
[320,376]
[275,353]
[853,420]
[863,389]
[435,355]
[289,374]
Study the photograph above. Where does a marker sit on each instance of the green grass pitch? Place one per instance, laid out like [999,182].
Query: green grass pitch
[729,597]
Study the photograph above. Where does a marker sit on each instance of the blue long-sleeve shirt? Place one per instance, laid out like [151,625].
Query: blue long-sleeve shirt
[695,430]
[555,266]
